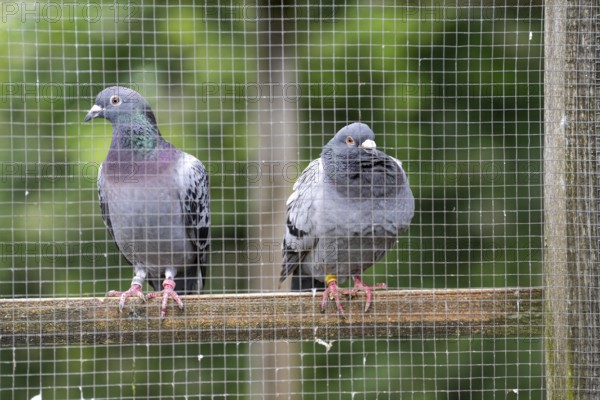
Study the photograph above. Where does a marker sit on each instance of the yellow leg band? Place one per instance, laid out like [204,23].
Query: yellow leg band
[329,278]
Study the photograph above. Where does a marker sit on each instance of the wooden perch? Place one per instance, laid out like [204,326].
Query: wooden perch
[272,316]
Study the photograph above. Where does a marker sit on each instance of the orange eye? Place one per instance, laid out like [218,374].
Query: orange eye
[115,100]
[350,140]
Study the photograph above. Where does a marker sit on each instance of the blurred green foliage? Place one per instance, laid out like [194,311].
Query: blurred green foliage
[455,91]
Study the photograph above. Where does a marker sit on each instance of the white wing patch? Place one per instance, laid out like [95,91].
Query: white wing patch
[195,197]
[300,224]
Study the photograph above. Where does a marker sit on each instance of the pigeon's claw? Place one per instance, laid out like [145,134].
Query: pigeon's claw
[134,291]
[359,285]
[332,291]
[168,291]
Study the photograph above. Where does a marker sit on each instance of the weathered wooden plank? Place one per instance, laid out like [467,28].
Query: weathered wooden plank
[273,316]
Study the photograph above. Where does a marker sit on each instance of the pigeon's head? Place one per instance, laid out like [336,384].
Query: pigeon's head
[119,104]
[351,139]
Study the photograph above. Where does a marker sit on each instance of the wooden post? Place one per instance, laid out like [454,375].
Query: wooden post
[272,364]
[572,272]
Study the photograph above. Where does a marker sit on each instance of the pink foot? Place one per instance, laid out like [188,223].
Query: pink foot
[359,285]
[168,291]
[134,291]
[332,291]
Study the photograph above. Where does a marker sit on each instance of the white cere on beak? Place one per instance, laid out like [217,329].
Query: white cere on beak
[95,109]
[368,144]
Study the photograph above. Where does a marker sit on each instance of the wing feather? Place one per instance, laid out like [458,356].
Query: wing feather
[300,236]
[104,208]
[195,199]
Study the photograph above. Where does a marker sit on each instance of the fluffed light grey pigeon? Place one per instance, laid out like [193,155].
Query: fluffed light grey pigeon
[154,200]
[347,210]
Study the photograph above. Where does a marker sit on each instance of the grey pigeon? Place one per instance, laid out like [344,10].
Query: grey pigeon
[347,210]
[154,200]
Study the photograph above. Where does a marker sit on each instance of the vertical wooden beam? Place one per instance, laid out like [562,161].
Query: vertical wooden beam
[572,272]
[272,363]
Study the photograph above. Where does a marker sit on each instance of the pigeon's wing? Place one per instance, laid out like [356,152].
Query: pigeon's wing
[104,207]
[103,201]
[195,201]
[408,200]
[301,236]
[397,162]
[402,209]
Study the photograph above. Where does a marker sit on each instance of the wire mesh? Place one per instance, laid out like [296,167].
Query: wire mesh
[254,91]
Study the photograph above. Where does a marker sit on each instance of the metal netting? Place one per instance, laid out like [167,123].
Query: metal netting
[452,89]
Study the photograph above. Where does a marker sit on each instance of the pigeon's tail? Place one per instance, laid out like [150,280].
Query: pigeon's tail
[190,283]
[303,283]
[291,268]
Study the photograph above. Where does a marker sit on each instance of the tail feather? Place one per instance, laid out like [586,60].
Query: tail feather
[303,283]
[292,268]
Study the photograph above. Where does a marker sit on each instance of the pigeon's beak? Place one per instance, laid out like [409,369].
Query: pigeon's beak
[95,112]
[368,144]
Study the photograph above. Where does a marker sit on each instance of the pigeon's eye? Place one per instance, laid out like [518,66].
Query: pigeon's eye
[115,100]
[350,141]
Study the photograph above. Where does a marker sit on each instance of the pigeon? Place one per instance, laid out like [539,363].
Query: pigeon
[347,210]
[154,200]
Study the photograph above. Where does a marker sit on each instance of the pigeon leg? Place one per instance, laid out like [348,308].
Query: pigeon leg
[359,285]
[134,291]
[168,291]
[332,291]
